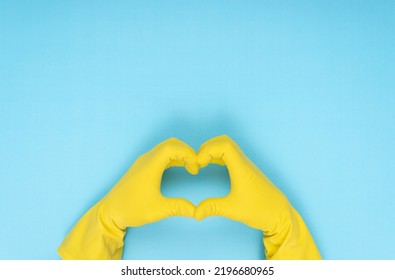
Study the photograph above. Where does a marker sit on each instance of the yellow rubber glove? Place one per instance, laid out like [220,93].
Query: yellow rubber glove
[257,202]
[134,201]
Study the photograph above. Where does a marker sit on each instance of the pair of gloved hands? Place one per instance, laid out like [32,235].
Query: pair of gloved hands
[137,200]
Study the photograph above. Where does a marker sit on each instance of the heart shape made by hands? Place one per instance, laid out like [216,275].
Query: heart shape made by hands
[212,181]
[136,200]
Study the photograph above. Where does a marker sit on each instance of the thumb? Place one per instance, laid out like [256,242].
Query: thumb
[210,207]
[192,168]
[180,207]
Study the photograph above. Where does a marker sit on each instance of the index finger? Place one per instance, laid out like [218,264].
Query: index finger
[174,152]
[221,150]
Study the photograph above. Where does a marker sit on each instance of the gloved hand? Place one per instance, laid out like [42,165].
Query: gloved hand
[257,202]
[134,201]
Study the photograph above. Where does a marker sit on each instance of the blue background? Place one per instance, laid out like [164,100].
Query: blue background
[306,88]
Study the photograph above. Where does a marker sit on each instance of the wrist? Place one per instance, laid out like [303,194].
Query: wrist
[110,222]
[93,237]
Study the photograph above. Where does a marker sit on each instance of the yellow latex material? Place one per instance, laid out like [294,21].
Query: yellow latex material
[255,201]
[137,200]
[134,201]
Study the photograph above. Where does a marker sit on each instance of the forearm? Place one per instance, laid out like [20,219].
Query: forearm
[291,240]
[93,237]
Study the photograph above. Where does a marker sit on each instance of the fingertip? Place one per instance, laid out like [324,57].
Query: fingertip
[204,209]
[198,215]
[203,158]
[192,168]
[190,161]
